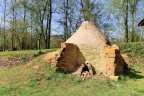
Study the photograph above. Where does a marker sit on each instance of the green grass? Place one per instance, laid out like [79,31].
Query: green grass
[36,78]
[135,48]
[26,81]
[20,53]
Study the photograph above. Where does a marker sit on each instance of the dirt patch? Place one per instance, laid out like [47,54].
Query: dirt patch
[14,61]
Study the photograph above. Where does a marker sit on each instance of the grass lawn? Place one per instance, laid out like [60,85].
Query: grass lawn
[24,52]
[37,79]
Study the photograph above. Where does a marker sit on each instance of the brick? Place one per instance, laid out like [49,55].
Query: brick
[109,50]
[110,60]
[106,55]
[111,55]
[112,51]
[106,51]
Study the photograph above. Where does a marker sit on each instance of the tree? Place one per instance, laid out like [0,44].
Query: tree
[63,10]
[5,6]
[87,8]
[125,14]
[24,26]
[119,8]
[49,19]
[13,2]
[43,13]
[69,17]
[107,27]
[133,9]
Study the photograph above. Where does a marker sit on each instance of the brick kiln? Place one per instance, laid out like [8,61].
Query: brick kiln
[87,52]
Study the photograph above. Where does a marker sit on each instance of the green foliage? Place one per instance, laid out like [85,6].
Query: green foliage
[38,53]
[136,48]
[7,90]
[87,10]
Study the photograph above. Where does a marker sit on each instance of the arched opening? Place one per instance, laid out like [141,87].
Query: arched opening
[85,69]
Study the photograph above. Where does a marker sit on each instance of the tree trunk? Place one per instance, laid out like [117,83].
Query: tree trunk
[4,25]
[31,32]
[13,28]
[126,22]
[23,46]
[133,31]
[50,20]
[66,22]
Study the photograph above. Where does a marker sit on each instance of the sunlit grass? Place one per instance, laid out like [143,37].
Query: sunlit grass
[26,80]
[23,52]
[36,78]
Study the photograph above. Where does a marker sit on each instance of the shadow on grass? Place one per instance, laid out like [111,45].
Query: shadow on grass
[133,74]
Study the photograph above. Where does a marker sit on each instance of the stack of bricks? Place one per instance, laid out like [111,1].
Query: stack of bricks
[108,59]
[113,63]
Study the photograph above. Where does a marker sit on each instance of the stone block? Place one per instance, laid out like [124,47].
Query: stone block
[115,78]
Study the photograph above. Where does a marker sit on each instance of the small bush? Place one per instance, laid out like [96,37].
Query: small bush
[39,53]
